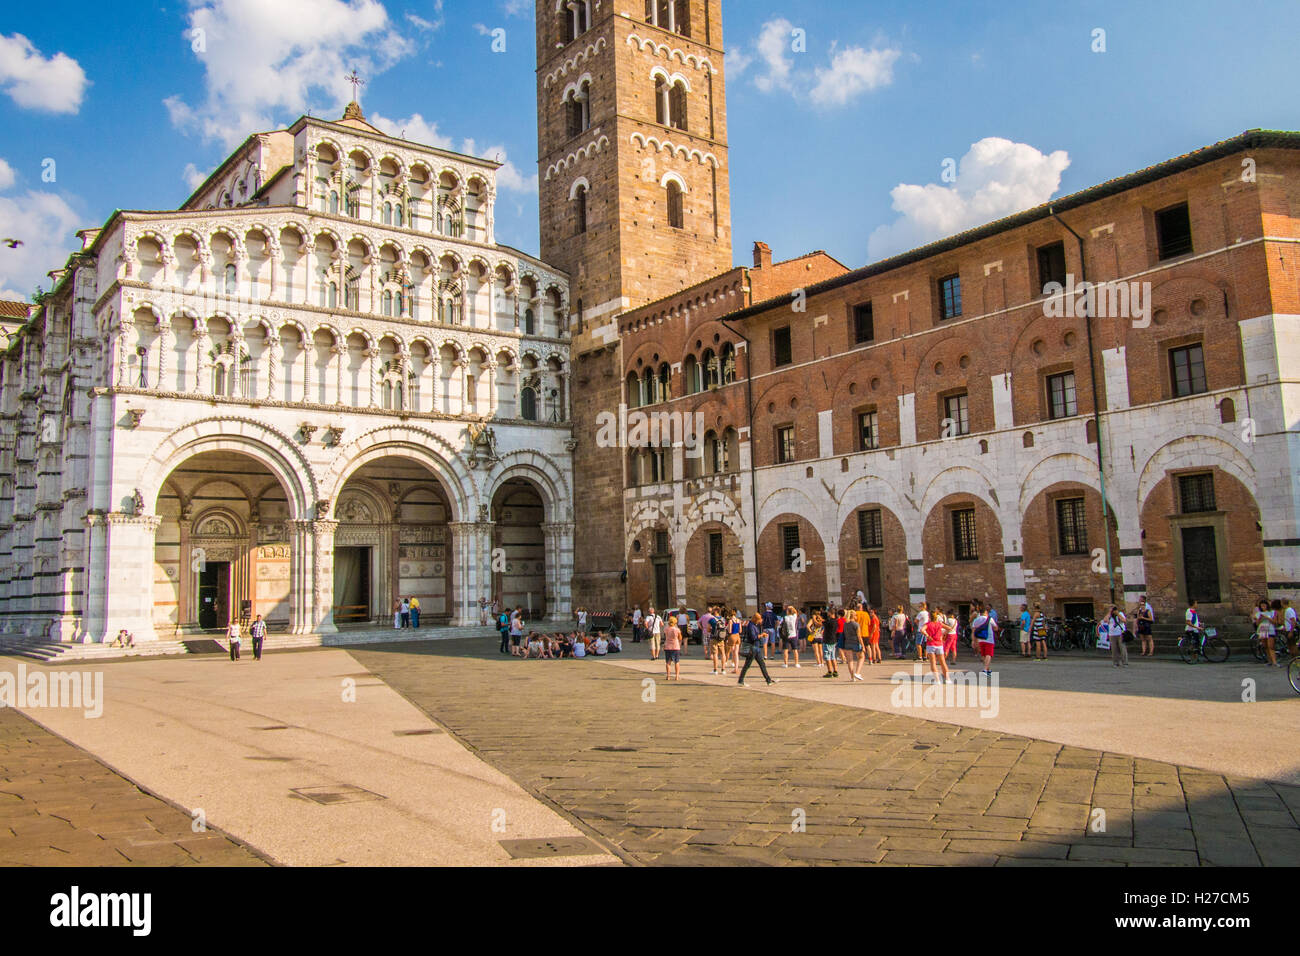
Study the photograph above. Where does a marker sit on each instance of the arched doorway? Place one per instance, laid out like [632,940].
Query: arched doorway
[223,550]
[519,548]
[392,542]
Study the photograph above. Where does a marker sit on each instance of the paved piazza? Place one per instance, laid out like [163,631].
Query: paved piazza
[451,753]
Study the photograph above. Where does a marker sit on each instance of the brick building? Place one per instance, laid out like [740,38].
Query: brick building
[945,423]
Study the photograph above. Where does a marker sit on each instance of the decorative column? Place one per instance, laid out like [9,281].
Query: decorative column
[371,374]
[272,364]
[185,595]
[492,387]
[202,342]
[308,347]
[460,550]
[299,533]
[306,256]
[322,582]
[165,345]
[558,536]
[122,557]
[460,364]
[275,256]
[435,367]
[237,366]
[338,351]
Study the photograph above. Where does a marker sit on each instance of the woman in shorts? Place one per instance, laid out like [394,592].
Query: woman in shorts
[898,628]
[815,631]
[830,643]
[850,643]
[733,640]
[933,639]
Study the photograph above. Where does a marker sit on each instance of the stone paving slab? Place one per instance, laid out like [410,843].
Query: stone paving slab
[707,774]
[61,807]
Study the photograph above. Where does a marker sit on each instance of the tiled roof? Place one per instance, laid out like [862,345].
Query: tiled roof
[13,310]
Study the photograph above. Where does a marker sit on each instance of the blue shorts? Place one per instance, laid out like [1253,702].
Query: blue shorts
[672,657]
[830,653]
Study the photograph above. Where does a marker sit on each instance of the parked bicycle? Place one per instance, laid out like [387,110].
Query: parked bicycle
[1204,642]
[1293,672]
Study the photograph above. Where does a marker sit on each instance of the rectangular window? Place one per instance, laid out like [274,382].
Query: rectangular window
[1174,232]
[1051,264]
[789,544]
[1062,400]
[715,553]
[956,414]
[964,545]
[950,297]
[661,542]
[868,431]
[1071,526]
[869,536]
[864,324]
[784,444]
[1187,370]
[1196,493]
[781,351]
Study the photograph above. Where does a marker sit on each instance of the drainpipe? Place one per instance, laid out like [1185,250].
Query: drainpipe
[1096,404]
[753,485]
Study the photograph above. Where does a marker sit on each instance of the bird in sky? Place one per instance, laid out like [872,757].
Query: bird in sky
[12,243]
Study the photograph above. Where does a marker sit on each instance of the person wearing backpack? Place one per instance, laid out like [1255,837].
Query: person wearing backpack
[789,633]
[654,629]
[503,625]
[1117,632]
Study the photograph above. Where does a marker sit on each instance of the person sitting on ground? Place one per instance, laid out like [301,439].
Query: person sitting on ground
[579,646]
[600,646]
[534,645]
[615,644]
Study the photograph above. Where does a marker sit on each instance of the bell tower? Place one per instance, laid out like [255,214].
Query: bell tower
[635,205]
[632,136]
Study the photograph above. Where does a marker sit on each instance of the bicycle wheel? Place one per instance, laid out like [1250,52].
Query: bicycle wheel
[1293,672]
[1215,650]
[1188,651]
[1257,649]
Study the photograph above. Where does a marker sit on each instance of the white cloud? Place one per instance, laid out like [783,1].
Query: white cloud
[6,175]
[737,62]
[853,71]
[422,24]
[266,63]
[517,8]
[55,84]
[995,178]
[774,48]
[193,177]
[481,29]
[46,225]
[414,128]
[508,176]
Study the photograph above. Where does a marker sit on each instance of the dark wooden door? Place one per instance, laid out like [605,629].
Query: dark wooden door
[871,580]
[662,588]
[1201,565]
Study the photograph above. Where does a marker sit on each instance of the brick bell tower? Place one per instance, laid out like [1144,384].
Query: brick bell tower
[635,205]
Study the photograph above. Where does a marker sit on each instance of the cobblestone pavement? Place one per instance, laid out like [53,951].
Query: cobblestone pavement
[59,806]
[708,774]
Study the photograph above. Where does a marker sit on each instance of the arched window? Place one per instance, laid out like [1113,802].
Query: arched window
[661,101]
[710,371]
[665,383]
[580,209]
[633,390]
[232,279]
[528,404]
[691,373]
[648,387]
[676,213]
[398,216]
[530,322]
[413,300]
[352,294]
[323,194]
[728,364]
[334,201]
[673,15]
[388,214]
[712,453]
[677,106]
[387,300]
[730,451]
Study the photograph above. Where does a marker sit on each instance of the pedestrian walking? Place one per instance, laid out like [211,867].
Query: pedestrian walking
[1146,619]
[257,631]
[1289,627]
[789,631]
[235,637]
[981,627]
[503,626]
[815,631]
[770,627]
[654,627]
[672,651]
[873,637]
[753,639]
[898,630]
[922,619]
[934,650]
[1117,630]
[850,644]
[949,622]
[1040,633]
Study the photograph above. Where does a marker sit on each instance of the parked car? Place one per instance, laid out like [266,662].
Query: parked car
[693,631]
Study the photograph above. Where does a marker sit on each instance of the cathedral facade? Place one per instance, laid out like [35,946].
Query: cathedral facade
[318,387]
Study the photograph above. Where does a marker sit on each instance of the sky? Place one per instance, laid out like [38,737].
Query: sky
[861,128]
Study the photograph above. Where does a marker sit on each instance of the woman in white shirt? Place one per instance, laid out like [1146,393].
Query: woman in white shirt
[1266,620]
[1116,628]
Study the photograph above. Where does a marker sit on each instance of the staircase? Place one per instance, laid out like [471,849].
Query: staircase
[51,652]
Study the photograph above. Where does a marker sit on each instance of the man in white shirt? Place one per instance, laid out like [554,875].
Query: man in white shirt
[654,628]
[1289,626]
[922,619]
[636,625]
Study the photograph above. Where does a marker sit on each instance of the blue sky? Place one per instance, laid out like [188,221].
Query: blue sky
[839,136]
